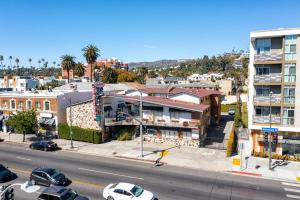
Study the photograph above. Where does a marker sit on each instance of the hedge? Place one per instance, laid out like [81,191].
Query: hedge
[231,144]
[226,107]
[79,134]
[277,156]
[245,115]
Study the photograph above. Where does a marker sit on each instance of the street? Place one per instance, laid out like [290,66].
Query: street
[90,174]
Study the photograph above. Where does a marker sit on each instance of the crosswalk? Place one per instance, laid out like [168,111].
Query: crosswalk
[292,190]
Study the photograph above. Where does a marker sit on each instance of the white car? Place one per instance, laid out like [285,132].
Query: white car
[126,191]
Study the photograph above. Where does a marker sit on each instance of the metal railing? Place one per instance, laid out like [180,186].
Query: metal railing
[275,119]
[276,98]
[268,57]
[272,78]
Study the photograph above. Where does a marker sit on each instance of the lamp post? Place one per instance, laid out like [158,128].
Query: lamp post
[270,134]
[70,115]
[141,124]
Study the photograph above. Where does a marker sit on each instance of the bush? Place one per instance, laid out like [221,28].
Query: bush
[124,132]
[79,134]
[125,136]
[276,156]
[231,144]
[245,115]
[226,107]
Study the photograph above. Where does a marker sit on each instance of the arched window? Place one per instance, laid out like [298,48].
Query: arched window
[47,106]
[13,104]
[28,104]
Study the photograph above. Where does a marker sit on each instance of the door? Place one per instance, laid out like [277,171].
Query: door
[121,195]
[44,179]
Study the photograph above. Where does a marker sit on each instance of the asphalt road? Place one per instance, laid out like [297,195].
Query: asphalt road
[90,174]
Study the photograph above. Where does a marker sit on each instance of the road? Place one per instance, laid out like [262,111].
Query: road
[90,174]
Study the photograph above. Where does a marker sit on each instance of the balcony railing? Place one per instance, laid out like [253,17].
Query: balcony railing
[266,99]
[268,57]
[275,119]
[272,78]
[289,100]
[289,78]
[288,121]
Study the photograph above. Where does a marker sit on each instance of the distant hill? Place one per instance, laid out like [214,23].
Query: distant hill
[154,64]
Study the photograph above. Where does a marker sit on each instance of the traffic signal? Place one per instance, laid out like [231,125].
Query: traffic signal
[9,194]
[275,138]
[118,116]
[266,137]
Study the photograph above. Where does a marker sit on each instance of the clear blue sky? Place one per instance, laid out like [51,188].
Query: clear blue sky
[136,30]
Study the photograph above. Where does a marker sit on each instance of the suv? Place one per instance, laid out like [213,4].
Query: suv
[60,193]
[48,176]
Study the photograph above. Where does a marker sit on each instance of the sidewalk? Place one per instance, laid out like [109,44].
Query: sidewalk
[197,158]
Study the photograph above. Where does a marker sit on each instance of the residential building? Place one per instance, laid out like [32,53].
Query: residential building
[49,106]
[18,83]
[274,86]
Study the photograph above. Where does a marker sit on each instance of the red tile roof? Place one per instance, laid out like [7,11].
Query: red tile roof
[169,102]
[173,91]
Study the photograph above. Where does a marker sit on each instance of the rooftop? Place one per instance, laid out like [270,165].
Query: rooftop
[274,32]
[38,93]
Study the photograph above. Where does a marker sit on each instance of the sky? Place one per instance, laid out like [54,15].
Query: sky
[136,30]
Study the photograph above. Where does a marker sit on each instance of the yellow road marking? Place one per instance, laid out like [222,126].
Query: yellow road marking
[76,181]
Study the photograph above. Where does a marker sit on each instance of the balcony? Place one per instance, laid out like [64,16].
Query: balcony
[274,57]
[275,119]
[269,78]
[275,99]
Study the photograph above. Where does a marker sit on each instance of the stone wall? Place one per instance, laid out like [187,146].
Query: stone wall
[180,142]
[83,116]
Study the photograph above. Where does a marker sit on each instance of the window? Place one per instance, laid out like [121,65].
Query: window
[118,191]
[29,104]
[289,73]
[290,47]
[47,106]
[288,116]
[262,90]
[289,94]
[262,111]
[263,46]
[20,105]
[263,70]
[174,115]
[13,104]
[37,105]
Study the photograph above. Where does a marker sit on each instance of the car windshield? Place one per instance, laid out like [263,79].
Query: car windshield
[2,168]
[70,195]
[54,173]
[137,191]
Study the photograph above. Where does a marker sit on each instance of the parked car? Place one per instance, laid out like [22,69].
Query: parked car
[231,111]
[60,193]
[126,191]
[44,145]
[48,176]
[6,174]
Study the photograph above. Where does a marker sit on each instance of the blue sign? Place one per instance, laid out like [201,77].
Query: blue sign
[272,130]
[98,118]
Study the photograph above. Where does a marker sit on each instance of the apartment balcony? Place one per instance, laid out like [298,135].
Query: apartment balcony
[275,119]
[275,99]
[268,58]
[268,79]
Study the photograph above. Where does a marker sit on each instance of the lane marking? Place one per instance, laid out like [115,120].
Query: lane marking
[109,173]
[292,190]
[291,184]
[293,196]
[23,158]
[88,184]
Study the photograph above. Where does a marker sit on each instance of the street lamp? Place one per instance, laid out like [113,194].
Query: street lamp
[141,124]
[270,134]
[70,115]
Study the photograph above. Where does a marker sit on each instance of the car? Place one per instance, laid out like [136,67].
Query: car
[231,111]
[126,191]
[44,145]
[48,176]
[6,175]
[60,193]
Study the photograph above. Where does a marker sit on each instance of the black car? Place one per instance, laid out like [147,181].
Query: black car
[44,145]
[48,176]
[60,193]
[6,174]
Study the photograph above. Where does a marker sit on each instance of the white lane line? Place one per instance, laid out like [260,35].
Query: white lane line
[101,172]
[291,184]
[293,196]
[22,158]
[292,190]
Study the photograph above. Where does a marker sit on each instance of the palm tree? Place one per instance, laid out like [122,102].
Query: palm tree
[54,63]
[68,63]
[1,60]
[30,60]
[17,64]
[10,58]
[39,63]
[43,60]
[79,70]
[91,53]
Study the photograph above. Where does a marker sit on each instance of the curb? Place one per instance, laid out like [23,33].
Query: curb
[139,159]
[245,173]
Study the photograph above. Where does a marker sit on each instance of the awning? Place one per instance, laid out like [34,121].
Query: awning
[46,121]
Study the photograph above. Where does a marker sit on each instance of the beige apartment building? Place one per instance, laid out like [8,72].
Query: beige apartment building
[274,89]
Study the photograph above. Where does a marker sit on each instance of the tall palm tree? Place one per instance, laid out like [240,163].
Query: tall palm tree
[1,60]
[17,64]
[54,63]
[68,63]
[30,60]
[91,53]
[10,58]
[79,70]
[43,60]
[39,63]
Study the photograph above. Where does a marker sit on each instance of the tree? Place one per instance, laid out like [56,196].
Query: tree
[110,75]
[30,60]
[10,58]
[53,63]
[125,76]
[152,74]
[1,60]
[24,122]
[68,63]
[79,70]
[91,53]
[39,63]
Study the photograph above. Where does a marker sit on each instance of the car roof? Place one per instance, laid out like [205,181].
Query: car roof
[43,169]
[55,190]
[125,186]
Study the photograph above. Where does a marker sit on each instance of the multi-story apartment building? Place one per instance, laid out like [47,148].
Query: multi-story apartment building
[18,83]
[274,88]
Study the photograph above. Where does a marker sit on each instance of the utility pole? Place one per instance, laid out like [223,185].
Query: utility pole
[71,131]
[270,133]
[141,124]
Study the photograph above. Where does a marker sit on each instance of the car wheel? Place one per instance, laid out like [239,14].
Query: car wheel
[110,198]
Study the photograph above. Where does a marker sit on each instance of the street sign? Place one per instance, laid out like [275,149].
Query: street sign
[272,130]
[98,118]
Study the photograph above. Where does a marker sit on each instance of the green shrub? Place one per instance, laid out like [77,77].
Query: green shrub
[245,115]
[231,144]
[125,136]
[79,134]
[124,132]
[226,107]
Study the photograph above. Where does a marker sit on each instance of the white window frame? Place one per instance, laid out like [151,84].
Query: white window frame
[47,101]
[27,104]
[10,104]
